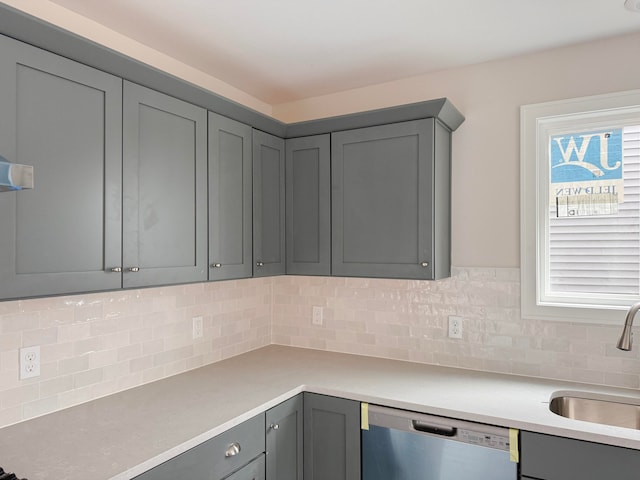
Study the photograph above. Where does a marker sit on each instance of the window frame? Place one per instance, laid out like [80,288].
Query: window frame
[536,123]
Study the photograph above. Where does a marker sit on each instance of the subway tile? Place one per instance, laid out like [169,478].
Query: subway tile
[25,393]
[19,322]
[56,385]
[41,407]
[111,341]
[41,336]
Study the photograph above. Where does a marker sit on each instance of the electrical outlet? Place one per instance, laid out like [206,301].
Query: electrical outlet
[198,329]
[455,327]
[29,362]
[316,318]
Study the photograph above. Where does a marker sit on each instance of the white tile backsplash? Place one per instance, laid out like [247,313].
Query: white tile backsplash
[97,344]
[407,320]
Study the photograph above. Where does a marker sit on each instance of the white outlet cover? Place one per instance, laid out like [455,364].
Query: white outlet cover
[316,318]
[29,362]
[198,328]
[455,326]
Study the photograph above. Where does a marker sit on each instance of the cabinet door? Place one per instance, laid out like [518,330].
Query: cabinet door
[268,205]
[230,197]
[64,119]
[308,199]
[556,458]
[253,471]
[165,189]
[331,438]
[284,425]
[390,201]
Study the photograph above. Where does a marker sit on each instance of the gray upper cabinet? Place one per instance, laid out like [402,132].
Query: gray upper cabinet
[268,205]
[64,119]
[165,189]
[308,200]
[136,188]
[391,201]
[230,199]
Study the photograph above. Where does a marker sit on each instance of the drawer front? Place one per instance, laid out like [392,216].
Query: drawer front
[254,471]
[557,458]
[215,458]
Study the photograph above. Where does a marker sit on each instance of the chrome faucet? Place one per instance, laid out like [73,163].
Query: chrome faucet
[625,339]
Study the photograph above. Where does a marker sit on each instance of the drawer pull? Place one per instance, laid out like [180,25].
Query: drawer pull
[233,450]
[424,264]
[259,264]
[116,269]
[216,265]
[274,426]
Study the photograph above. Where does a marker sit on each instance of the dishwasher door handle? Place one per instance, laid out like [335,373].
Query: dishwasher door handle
[435,429]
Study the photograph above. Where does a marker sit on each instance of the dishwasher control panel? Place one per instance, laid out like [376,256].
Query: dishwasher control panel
[484,439]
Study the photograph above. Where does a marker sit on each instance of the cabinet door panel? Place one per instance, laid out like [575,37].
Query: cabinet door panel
[65,120]
[308,199]
[230,197]
[383,200]
[556,458]
[331,438]
[284,440]
[165,189]
[268,205]
[253,471]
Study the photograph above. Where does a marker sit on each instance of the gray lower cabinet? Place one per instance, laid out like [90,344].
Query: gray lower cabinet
[308,205]
[230,199]
[284,436]
[268,205]
[391,201]
[65,119]
[254,471]
[547,457]
[331,438]
[165,189]
[230,455]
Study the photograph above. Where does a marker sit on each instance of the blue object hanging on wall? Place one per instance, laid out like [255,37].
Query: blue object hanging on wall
[14,176]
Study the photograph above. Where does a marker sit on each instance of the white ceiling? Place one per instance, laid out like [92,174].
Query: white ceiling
[284,50]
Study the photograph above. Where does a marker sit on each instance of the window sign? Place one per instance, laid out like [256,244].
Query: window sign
[586,173]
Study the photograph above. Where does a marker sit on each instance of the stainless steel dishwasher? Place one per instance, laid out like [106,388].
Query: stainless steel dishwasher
[402,445]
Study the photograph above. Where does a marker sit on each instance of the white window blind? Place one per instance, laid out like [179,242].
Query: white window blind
[585,268]
[600,254]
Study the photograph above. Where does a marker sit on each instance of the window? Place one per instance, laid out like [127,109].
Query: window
[580,208]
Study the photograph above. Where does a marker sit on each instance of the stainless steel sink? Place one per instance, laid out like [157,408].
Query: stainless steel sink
[616,411]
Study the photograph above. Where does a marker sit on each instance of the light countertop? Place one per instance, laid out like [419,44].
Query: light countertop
[122,435]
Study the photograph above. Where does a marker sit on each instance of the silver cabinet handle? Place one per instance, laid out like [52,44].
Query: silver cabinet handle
[233,450]
[274,426]
[115,269]
[216,265]
[424,264]
[133,269]
[259,264]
